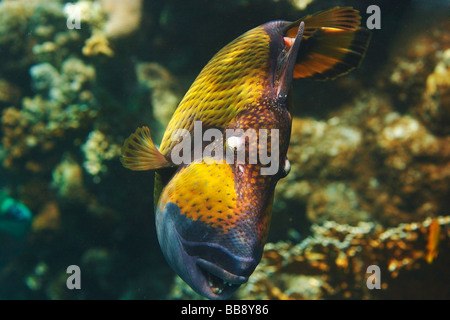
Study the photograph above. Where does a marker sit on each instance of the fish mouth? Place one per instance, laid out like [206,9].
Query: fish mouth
[218,272]
[209,268]
[221,282]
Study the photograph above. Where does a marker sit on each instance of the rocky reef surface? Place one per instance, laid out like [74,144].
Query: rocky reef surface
[370,152]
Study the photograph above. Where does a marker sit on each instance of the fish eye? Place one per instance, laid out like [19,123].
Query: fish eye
[286,169]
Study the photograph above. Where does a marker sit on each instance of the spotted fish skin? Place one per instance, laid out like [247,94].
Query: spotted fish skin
[213,216]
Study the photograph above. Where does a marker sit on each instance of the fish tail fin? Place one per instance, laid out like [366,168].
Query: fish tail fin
[139,153]
[333,44]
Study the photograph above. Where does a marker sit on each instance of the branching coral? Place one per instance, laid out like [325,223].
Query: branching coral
[338,202]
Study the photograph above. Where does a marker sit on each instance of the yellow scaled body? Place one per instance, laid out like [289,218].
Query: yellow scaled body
[229,84]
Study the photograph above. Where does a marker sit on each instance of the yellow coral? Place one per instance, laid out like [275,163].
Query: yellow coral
[97,44]
[98,149]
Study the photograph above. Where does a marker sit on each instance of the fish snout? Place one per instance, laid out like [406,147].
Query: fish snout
[207,265]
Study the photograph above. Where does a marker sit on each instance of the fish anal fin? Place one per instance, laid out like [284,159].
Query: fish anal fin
[139,153]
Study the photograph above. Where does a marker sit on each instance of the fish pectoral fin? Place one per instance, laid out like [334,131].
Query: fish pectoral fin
[333,44]
[139,153]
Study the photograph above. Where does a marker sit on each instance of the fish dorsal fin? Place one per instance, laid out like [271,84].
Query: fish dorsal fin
[345,18]
[139,153]
[333,44]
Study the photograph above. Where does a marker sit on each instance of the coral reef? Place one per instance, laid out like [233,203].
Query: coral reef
[63,103]
[419,79]
[123,17]
[333,262]
[97,149]
[390,164]
[434,109]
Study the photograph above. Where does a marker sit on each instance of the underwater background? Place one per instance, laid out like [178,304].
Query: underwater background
[370,151]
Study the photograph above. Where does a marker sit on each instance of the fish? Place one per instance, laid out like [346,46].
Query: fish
[15,223]
[213,209]
[433,241]
[15,217]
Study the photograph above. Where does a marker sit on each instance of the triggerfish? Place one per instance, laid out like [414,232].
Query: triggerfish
[213,207]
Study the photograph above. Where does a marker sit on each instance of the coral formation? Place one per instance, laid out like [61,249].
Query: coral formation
[63,103]
[393,165]
[336,202]
[97,44]
[68,179]
[98,149]
[419,79]
[123,17]
[333,261]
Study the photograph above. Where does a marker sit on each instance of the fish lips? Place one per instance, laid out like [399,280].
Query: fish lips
[210,269]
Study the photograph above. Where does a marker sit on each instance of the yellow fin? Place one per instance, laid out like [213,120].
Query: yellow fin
[333,44]
[345,18]
[139,153]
